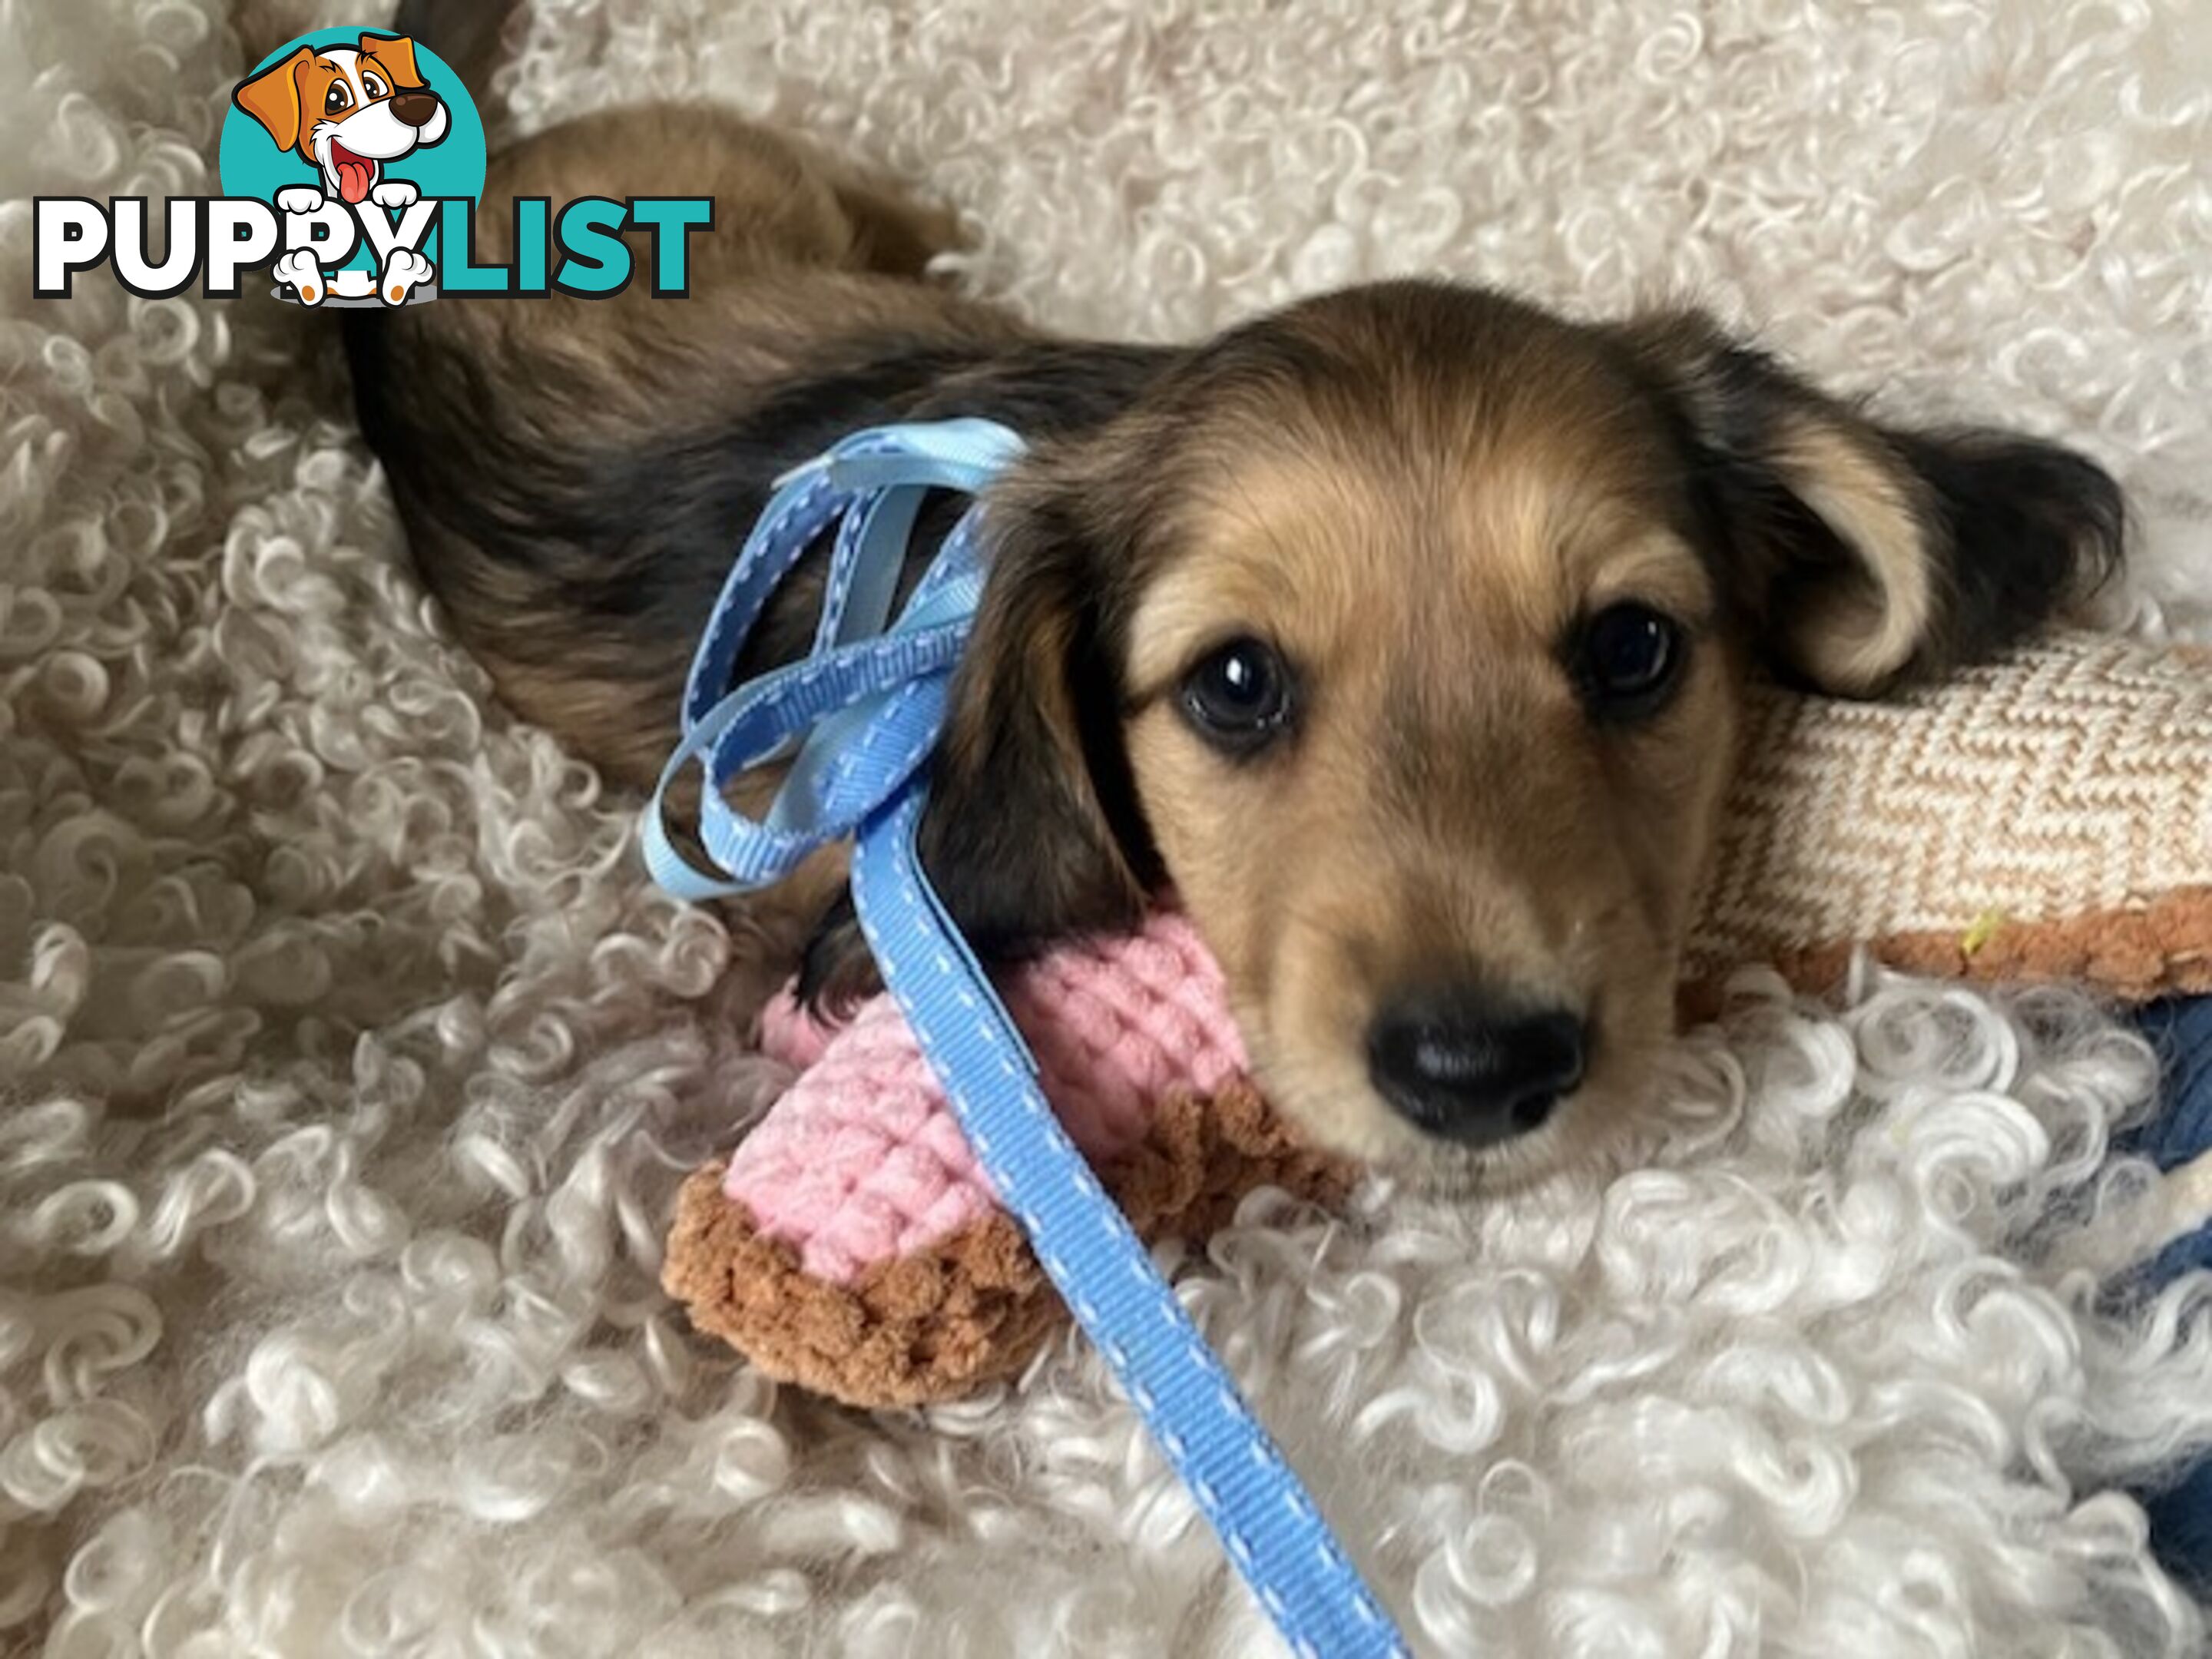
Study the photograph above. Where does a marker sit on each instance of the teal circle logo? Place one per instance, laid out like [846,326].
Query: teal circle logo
[357,116]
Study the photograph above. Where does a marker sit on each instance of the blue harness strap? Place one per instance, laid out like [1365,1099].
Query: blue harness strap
[857,719]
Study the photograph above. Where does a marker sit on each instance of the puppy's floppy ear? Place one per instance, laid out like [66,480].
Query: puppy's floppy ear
[396,53]
[1860,553]
[272,97]
[1032,831]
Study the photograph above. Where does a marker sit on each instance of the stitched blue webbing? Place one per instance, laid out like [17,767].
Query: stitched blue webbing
[857,719]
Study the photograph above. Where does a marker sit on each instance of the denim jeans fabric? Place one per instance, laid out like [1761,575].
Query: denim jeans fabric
[2181,1511]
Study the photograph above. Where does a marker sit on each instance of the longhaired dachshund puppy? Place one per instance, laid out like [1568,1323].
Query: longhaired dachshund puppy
[1400,635]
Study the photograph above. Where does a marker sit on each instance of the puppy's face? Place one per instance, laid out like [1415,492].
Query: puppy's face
[1402,637]
[347,109]
[1429,704]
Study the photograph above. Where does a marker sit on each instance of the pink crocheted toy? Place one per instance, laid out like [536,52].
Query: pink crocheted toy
[851,1243]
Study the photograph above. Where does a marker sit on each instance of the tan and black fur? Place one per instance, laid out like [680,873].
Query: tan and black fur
[1418,494]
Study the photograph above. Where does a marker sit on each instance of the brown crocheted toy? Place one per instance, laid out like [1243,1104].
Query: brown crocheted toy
[2050,816]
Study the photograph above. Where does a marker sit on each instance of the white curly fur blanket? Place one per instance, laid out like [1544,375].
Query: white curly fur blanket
[348,1065]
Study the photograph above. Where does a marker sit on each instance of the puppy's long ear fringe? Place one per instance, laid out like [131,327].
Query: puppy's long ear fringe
[1863,553]
[1032,831]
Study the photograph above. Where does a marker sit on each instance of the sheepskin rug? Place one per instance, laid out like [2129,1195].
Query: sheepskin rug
[348,1064]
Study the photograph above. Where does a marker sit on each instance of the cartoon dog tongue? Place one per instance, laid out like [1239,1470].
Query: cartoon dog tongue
[356,174]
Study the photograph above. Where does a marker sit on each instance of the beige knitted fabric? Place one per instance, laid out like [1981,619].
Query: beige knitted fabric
[2049,816]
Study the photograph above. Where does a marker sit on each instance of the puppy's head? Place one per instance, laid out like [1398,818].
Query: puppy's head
[347,109]
[1402,636]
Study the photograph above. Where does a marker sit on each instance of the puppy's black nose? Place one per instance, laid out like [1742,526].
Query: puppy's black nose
[415,109]
[1457,1062]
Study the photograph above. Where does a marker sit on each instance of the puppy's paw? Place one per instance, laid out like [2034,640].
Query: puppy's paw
[300,270]
[299,199]
[401,271]
[394,193]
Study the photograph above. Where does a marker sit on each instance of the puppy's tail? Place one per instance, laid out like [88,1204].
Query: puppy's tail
[466,34]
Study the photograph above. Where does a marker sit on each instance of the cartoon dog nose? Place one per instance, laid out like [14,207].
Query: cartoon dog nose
[1459,1062]
[415,109]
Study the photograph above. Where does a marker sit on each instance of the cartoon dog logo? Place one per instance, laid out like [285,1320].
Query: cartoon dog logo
[348,110]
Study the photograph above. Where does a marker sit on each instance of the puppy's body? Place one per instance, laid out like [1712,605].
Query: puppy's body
[576,475]
[1401,633]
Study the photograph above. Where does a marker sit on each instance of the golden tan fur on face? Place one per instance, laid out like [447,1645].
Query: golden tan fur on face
[1458,851]
[1447,811]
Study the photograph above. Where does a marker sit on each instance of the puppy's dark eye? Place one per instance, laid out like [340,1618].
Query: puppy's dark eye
[1239,697]
[337,98]
[1628,659]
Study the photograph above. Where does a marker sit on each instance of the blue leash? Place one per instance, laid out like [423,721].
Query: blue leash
[857,718]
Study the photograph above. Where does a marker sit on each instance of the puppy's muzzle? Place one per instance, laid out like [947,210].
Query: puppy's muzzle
[414,109]
[1459,1062]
